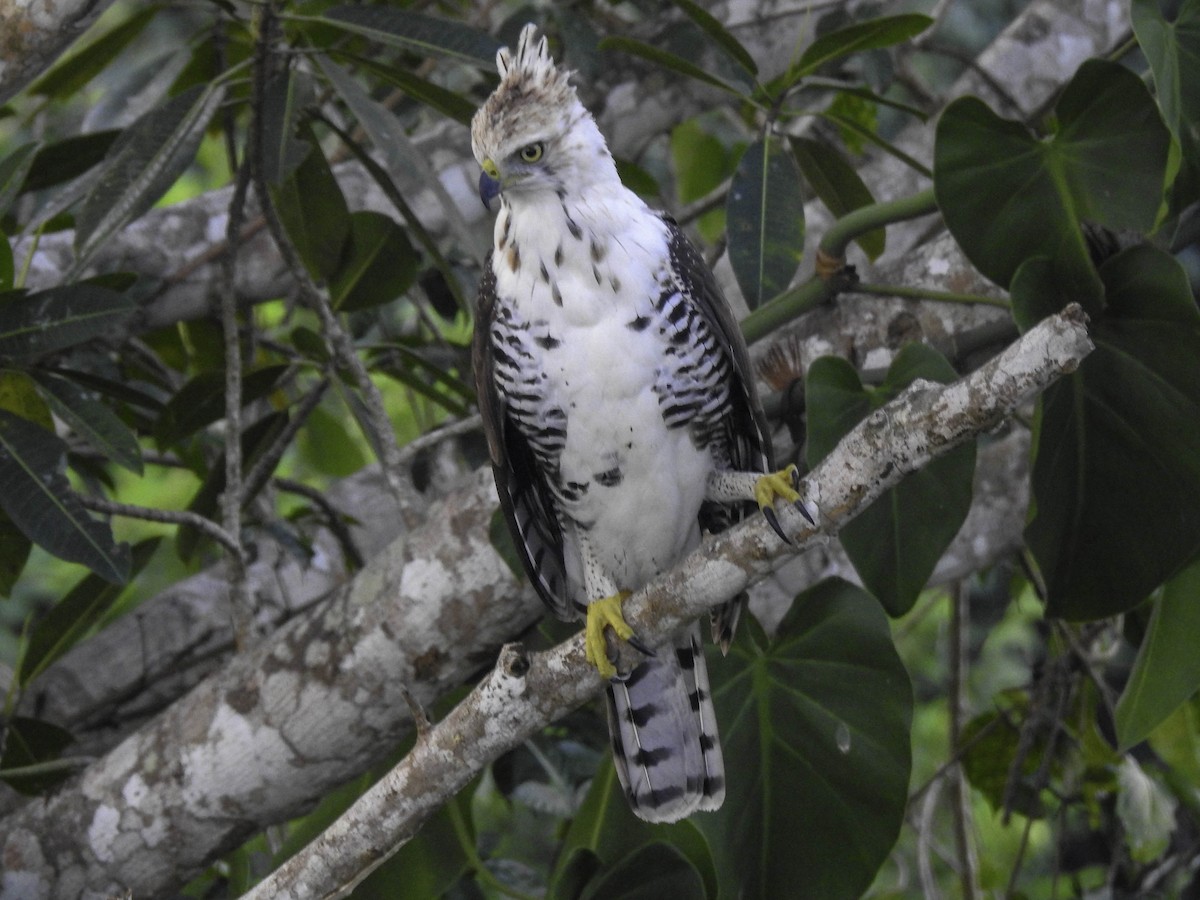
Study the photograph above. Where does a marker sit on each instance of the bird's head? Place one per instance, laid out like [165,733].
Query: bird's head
[533,136]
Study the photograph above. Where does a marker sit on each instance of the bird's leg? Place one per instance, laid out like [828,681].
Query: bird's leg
[763,489]
[603,611]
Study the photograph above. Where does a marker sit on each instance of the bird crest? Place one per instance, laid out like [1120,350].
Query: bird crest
[531,63]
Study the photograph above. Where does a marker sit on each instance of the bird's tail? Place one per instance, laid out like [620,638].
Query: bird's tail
[664,734]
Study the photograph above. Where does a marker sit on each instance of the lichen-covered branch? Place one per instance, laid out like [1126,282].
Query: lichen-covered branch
[525,692]
[34,33]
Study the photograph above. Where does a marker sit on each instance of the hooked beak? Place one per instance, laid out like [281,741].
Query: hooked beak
[489,183]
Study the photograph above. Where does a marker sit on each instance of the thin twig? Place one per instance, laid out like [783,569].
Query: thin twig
[261,471]
[960,798]
[333,519]
[165,516]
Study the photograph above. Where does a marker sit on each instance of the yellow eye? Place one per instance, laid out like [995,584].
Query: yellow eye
[532,153]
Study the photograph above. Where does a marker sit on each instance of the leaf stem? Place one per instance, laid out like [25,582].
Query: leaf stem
[921,293]
[476,864]
[791,304]
[874,215]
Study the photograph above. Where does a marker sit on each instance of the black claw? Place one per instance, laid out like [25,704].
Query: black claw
[804,512]
[795,479]
[773,521]
[636,643]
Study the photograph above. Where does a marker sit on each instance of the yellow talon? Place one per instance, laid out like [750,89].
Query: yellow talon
[601,613]
[777,484]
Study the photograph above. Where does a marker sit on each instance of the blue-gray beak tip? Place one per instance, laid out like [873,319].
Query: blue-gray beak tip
[489,189]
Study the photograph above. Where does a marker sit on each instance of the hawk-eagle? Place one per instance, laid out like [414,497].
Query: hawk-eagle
[619,408]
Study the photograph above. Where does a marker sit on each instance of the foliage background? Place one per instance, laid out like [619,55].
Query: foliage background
[1026,726]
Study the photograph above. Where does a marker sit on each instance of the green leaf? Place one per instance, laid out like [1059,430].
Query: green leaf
[1167,669]
[92,421]
[838,185]
[1117,444]
[143,163]
[14,169]
[604,833]
[666,60]
[897,541]
[882,32]
[1007,197]
[414,31]
[201,402]
[652,872]
[765,221]
[58,318]
[715,30]
[14,554]
[61,161]
[378,265]
[447,102]
[7,271]
[74,616]
[1173,50]
[820,721]
[284,96]
[991,744]
[1176,741]
[69,75]
[38,499]
[327,446]
[313,211]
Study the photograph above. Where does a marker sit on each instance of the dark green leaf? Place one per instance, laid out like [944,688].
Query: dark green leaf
[991,743]
[652,872]
[37,497]
[14,169]
[896,542]
[75,70]
[29,742]
[605,832]
[414,31]
[821,720]
[1167,669]
[92,421]
[14,554]
[838,185]
[1116,470]
[314,212]
[69,158]
[715,30]
[436,97]
[665,59]
[378,265]
[201,402]
[328,447]
[154,151]
[76,614]
[52,320]
[765,221]
[284,96]
[7,272]
[1173,50]
[881,32]
[1007,197]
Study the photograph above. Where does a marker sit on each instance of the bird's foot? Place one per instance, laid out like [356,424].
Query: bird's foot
[602,613]
[783,485]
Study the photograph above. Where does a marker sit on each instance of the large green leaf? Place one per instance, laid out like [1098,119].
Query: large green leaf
[882,32]
[380,263]
[720,35]
[58,318]
[1167,669]
[143,163]
[447,102]
[666,60]
[29,742]
[1116,471]
[605,834]
[1173,50]
[414,31]
[896,542]
[72,617]
[816,734]
[79,67]
[94,423]
[69,158]
[838,185]
[765,221]
[14,169]
[284,96]
[37,497]
[313,211]
[655,871]
[1007,196]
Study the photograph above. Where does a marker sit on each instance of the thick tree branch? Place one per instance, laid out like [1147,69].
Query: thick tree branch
[525,692]
[34,33]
